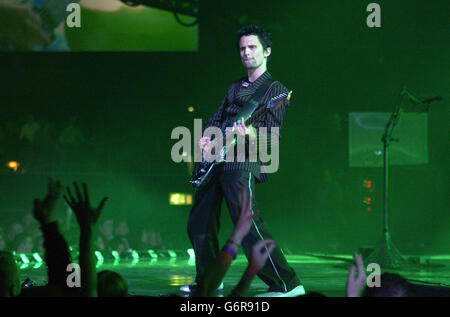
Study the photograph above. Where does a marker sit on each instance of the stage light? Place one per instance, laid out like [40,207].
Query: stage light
[116,255]
[37,265]
[13,165]
[191,253]
[191,109]
[180,199]
[367,183]
[24,259]
[100,258]
[37,257]
[153,254]
[172,254]
[178,280]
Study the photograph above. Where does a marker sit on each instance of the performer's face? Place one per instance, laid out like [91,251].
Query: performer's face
[252,52]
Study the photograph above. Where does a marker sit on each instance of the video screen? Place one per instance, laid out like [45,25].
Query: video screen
[98,25]
[410,145]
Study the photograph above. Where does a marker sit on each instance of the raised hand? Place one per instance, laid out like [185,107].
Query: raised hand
[43,209]
[355,285]
[85,213]
[260,253]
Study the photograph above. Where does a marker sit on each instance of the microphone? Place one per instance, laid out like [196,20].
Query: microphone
[411,97]
[438,98]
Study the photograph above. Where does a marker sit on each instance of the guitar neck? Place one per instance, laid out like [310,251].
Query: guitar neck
[255,116]
[258,114]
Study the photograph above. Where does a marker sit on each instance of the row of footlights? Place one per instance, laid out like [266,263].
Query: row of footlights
[36,260]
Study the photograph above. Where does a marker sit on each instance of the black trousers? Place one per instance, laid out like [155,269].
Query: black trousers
[203,227]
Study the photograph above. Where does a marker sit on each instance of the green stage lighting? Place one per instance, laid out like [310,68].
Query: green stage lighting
[153,254]
[100,258]
[24,259]
[116,255]
[37,257]
[135,257]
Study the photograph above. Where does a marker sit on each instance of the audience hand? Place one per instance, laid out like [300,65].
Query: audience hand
[355,285]
[86,215]
[260,253]
[43,210]
[242,130]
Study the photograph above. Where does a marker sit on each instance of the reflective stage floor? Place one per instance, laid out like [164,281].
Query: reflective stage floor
[322,273]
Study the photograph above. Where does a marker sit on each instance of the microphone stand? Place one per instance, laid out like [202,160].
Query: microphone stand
[386,254]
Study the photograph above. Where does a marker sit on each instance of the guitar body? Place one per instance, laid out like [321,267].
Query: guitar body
[203,174]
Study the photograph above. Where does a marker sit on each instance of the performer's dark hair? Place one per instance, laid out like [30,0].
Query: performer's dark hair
[264,36]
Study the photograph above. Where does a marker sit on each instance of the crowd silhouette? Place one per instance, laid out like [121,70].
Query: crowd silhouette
[111,284]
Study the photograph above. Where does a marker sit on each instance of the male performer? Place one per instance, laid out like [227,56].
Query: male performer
[254,46]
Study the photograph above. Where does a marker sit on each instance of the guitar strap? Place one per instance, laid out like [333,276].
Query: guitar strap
[254,101]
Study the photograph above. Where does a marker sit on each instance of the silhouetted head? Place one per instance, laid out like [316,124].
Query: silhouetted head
[107,228]
[391,285]
[9,275]
[111,284]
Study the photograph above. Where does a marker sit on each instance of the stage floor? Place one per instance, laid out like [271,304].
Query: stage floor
[324,273]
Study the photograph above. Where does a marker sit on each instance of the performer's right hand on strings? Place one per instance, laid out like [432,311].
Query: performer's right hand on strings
[205,144]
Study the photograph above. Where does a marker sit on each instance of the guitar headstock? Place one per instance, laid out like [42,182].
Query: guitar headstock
[278,100]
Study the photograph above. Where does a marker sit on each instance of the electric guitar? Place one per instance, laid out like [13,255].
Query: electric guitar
[53,14]
[206,168]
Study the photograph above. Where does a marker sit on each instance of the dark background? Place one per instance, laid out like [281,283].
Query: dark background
[127,104]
